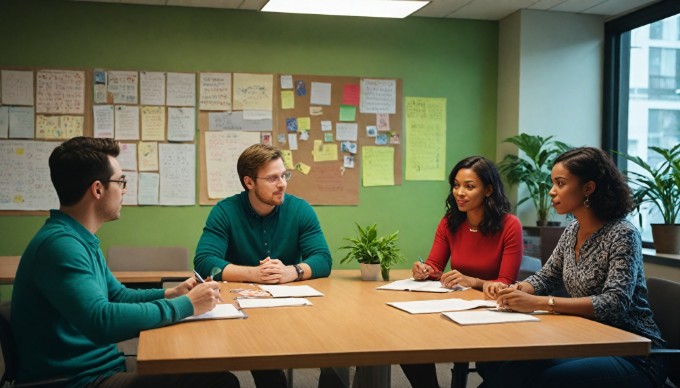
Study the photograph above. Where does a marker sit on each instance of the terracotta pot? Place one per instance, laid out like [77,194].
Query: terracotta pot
[369,272]
[666,238]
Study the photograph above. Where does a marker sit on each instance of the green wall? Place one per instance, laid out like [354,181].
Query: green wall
[452,59]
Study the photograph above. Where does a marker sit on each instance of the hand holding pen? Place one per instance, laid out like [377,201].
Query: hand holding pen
[210,282]
[420,270]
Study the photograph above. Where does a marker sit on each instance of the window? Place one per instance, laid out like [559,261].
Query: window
[642,87]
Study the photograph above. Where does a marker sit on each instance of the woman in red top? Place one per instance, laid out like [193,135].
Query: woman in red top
[479,236]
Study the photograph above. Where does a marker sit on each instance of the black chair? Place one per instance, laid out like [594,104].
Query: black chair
[11,358]
[663,295]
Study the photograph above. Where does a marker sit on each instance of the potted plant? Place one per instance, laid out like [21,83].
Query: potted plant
[659,186]
[533,170]
[373,253]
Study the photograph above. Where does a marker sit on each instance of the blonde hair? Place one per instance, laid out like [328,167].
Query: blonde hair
[254,157]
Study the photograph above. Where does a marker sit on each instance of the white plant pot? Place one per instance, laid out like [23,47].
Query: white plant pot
[369,272]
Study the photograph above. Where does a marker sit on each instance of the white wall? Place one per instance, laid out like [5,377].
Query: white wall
[550,81]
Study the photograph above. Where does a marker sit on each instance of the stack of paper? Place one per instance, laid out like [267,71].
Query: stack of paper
[221,311]
[420,285]
[441,305]
[278,302]
[484,317]
[290,291]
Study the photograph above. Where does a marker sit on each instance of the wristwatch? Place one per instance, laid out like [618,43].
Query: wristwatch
[300,272]
[551,304]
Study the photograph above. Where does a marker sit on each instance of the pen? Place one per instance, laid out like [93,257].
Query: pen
[423,264]
[201,280]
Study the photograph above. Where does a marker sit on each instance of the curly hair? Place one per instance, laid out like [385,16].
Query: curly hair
[612,197]
[495,206]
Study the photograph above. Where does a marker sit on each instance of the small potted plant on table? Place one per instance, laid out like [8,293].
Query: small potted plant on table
[373,253]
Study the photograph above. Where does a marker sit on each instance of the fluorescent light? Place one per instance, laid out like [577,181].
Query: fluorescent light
[371,8]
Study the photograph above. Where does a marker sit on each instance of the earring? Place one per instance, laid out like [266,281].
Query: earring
[586,203]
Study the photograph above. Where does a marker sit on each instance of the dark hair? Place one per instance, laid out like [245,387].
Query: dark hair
[254,157]
[76,163]
[495,206]
[612,198]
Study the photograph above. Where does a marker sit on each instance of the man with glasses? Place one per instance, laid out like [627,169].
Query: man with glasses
[263,235]
[68,311]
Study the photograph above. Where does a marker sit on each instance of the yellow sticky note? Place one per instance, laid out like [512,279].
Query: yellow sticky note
[315,110]
[328,152]
[19,151]
[18,199]
[303,168]
[304,124]
[288,159]
[287,99]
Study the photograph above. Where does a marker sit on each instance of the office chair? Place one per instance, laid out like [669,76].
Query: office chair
[663,295]
[10,356]
[146,258]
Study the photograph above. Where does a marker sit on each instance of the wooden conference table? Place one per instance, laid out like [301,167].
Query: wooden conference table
[352,325]
[9,265]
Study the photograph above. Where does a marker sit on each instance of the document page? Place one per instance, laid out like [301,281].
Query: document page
[290,291]
[279,302]
[420,285]
[484,317]
[221,311]
[441,305]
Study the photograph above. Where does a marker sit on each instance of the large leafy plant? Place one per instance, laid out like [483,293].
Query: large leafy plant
[369,248]
[534,169]
[659,185]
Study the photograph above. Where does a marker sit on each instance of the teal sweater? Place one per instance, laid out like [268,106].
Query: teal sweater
[234,233]
[68,311]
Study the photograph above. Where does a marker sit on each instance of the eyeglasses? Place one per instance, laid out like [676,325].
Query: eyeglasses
[275,178]
[121,182]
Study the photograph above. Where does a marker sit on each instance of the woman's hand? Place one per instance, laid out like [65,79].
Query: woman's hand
[513,299]
[455,278]
[421,271]
[491,289]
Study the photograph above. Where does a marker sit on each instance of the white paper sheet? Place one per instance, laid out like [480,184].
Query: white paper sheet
[484,317]
[221,311]
[278,291]
[440,305]
[420,285]
[278,302]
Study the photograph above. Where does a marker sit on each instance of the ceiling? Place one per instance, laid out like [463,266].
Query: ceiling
[457,9]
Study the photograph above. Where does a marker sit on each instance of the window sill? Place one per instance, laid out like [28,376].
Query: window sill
[650,256]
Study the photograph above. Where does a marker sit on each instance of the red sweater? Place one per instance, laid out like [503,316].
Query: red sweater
[495,257]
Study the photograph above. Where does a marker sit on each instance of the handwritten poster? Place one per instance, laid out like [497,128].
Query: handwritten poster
[377,166]
[127,158]
[4,122]
[21,122]
[24,163]
[178,174]
[122,87]
[221,121]
[222,151]
[253,91]
[17,87]
[126,122]
[60,91]
[47,127]
[378,95]
[152,88]
[147,189]
[425,138]
[147,155]
[103,120]
[181,89]
[215,91]
[153,123]
[181,124]
[130,197]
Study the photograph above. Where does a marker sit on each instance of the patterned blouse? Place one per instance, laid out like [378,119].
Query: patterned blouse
[609,271]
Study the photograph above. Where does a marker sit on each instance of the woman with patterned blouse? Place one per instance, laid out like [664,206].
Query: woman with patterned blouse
[598,260]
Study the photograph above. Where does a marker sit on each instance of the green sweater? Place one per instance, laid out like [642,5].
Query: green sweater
[234,233]
[68,311]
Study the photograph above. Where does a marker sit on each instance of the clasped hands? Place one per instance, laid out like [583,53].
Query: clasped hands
[510,297]
[273,271]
